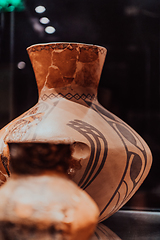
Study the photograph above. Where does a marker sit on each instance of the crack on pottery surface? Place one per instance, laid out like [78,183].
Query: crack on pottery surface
[60,71]
[64,64]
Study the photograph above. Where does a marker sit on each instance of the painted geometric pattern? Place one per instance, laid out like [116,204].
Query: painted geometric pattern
[136,157]
[68,96]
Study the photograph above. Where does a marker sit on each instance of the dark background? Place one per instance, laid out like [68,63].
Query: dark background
[130,81]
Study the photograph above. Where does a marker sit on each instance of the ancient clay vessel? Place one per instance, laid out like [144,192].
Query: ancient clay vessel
[39,201]
[110,160]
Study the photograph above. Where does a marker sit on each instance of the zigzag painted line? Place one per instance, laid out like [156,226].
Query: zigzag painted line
[69,96]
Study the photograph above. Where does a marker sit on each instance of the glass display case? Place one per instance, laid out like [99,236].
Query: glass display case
[130,80]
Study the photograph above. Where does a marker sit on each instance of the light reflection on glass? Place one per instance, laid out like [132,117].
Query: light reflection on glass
[50,29]
[21,65]
[44,20]
[40,9]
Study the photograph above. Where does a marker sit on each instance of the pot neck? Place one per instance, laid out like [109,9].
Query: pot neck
[68,70]
[72,92]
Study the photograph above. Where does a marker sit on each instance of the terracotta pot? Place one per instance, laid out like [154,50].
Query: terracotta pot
[110,160]
[39,201]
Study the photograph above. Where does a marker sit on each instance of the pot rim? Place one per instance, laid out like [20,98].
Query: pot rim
[66,43]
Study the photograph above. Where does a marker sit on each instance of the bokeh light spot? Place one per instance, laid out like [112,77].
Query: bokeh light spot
[44,20]
[50,29]
[40,9]
[21,65]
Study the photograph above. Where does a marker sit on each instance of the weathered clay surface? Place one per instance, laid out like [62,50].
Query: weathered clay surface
[110,160]
[61,65]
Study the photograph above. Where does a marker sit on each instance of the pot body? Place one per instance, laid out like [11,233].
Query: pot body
[110,160]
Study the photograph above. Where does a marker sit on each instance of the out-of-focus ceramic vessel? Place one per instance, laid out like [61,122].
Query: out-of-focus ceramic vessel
[10,230]
[110,160]
[39,201]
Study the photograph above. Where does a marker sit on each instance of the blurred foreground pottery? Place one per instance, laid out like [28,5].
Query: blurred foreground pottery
[39,201]
[110,160]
